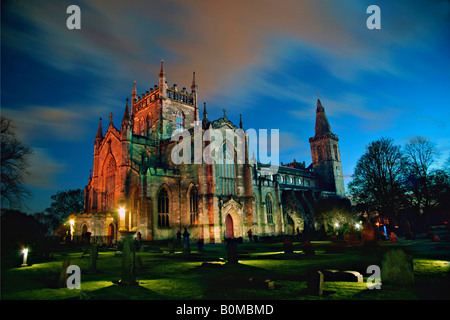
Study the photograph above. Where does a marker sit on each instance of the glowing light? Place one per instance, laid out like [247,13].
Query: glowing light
[358,226]
[72,222]
[122,212]
[25,255]
[336,225]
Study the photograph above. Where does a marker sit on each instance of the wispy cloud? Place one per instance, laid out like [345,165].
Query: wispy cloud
[223,41]
[43,170]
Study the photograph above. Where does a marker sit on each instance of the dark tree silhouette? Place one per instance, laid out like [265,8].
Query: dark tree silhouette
[378,178]
[64,204]
[14,165]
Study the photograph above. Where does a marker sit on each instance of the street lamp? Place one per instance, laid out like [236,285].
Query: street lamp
[72,228]
[25,255]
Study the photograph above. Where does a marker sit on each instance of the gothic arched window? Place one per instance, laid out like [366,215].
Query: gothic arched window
[227,171]
[163,208]
[269,208]
[335,152]
[142,127]
[110,174]
[321,153]
[180,121]
[193,205]
[149,124]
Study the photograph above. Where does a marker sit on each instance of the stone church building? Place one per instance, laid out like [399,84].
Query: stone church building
[136,186]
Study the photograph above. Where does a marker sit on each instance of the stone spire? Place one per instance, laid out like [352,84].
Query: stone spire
[194,85]
[241,125]
[133,98]
[205,115]
[322,125]
[162,81]
[99,136]
[194,89]
[126,116]
[161,71]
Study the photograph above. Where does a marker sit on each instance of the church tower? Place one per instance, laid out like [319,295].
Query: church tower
[326,158]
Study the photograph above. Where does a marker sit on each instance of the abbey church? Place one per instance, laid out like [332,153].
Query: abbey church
[136,185]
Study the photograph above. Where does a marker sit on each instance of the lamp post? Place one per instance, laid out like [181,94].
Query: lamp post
[72,228]
[25,256]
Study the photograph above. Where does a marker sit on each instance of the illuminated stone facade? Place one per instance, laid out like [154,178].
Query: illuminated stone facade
[133,169]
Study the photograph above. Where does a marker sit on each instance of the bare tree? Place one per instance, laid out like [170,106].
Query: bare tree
[420,155]
[14,165]
[377,183]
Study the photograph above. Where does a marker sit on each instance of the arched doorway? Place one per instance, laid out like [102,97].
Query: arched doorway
[110,233]
[229,229]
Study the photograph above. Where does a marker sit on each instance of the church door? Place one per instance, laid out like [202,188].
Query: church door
[110,233]
[229,232]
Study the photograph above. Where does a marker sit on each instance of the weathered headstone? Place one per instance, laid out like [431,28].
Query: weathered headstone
[393,238]
[368,233]
[397,267]
[171,246]
[200,244]
[408,232]
[93,255]
[62,280]
[308,249]
[186,243]
[287,246]
[232,251]
[128,262]
[315,283]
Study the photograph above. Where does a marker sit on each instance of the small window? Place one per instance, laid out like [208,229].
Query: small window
[180,121]
[163,208]
[269,208]
[335,153]
[193,205]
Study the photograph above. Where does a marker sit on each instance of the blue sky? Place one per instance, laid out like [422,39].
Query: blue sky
[265,59]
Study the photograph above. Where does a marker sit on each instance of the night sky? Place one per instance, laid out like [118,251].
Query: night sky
[264,59]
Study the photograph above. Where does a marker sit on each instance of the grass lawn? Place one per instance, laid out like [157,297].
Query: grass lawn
[179,276]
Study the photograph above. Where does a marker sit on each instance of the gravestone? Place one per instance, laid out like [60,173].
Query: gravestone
[408,232]
[171,246]
[93,255]
[232,251]
[308,248]
[62,280]
[287,246]
[342,276]
[186,243]
[200,244]
[397,267]
[128,261]
[393,238]
[315,283]
[368,233]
